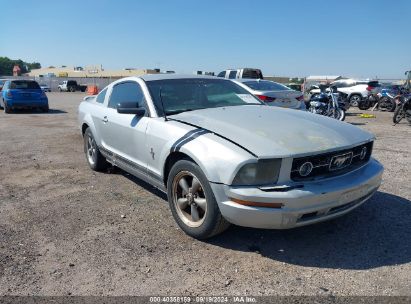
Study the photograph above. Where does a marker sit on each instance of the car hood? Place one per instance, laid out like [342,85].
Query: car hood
[276,132]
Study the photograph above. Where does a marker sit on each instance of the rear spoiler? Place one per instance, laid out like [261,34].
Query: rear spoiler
[87,98]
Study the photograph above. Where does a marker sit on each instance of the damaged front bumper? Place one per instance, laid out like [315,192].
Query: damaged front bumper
[302,203]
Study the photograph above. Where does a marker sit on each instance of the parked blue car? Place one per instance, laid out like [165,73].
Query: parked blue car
[23,94]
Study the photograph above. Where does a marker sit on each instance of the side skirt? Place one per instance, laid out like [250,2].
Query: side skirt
[134,169]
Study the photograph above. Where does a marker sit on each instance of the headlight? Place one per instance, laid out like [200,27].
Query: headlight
[263,172]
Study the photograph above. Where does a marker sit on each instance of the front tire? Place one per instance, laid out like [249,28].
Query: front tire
[355,100]
[192,201]
[95,159]
[398,115]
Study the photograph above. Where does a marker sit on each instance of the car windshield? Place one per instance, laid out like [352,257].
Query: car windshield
[181,95]
[24,85]
[264,85]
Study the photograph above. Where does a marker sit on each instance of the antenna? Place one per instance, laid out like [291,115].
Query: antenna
[162,105]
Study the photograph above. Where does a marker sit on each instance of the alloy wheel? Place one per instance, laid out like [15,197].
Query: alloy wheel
[189,199]
[355,100]
[91,150]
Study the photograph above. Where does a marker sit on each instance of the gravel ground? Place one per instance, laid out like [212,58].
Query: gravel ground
[65,229]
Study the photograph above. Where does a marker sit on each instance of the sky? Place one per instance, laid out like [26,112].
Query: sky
[363,39]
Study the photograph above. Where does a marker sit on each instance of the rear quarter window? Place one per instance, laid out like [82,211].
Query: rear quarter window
[252,73]
[266,86]
[100,98]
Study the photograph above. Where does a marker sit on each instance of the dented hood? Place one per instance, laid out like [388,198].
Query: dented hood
[277,132]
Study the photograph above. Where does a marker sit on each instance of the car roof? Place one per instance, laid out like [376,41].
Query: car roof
[251,79]
[152,77]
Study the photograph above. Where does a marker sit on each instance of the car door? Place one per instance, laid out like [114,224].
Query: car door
[125,134]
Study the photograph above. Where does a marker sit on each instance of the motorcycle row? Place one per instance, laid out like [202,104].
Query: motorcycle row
[332,103]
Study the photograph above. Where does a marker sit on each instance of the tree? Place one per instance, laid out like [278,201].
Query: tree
[7,64]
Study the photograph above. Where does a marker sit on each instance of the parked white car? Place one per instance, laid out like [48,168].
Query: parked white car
[273,93]
[45,87]
[356,90]
[222,156]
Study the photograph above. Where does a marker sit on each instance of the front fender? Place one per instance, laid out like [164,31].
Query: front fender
[218,158]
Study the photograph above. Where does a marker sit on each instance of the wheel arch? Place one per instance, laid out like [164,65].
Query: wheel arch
[171,159]
[354,94]
[87,122]
[84,127]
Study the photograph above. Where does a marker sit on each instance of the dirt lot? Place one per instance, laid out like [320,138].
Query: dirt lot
[62,230]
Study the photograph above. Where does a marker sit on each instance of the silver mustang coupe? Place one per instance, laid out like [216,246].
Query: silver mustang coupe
[224,157]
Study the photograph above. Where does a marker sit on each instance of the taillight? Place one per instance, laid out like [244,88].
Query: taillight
[266,98]
[300,98]
[369,88]
[9,94]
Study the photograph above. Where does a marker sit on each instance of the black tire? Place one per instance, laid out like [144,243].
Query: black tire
[97,162]
[364,104]
[60,90]
[339,114]
[355,100]
[213,222]
[386,104]
[398,115]
[45,109]
[7,109]
[72,89]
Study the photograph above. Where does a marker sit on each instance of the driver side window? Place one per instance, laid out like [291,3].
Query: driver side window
[127,92]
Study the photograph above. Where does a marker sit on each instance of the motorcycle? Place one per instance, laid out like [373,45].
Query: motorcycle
[386,101]
[403,109]
[327,104]
[383,100]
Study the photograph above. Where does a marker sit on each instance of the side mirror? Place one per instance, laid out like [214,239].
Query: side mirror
[130,108]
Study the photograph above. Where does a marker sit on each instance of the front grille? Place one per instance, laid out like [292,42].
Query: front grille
[324,164]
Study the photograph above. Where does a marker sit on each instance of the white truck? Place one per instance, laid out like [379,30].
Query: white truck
[71,86]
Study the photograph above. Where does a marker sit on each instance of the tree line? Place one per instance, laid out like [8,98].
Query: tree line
[7,64]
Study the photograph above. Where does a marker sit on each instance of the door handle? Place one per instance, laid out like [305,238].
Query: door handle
[105,119]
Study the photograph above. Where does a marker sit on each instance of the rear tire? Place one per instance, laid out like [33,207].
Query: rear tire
[45,109]
[7,109]
[386,104]
[364,105]
[192,201]
[95,159]
[339,114]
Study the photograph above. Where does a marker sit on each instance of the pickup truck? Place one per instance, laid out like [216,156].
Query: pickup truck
[209,144]
[71,86]
[241,73]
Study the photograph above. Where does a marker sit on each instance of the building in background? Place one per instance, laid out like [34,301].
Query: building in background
[89,71]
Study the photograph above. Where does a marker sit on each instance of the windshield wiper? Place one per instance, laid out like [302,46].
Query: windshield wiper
[181,111]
